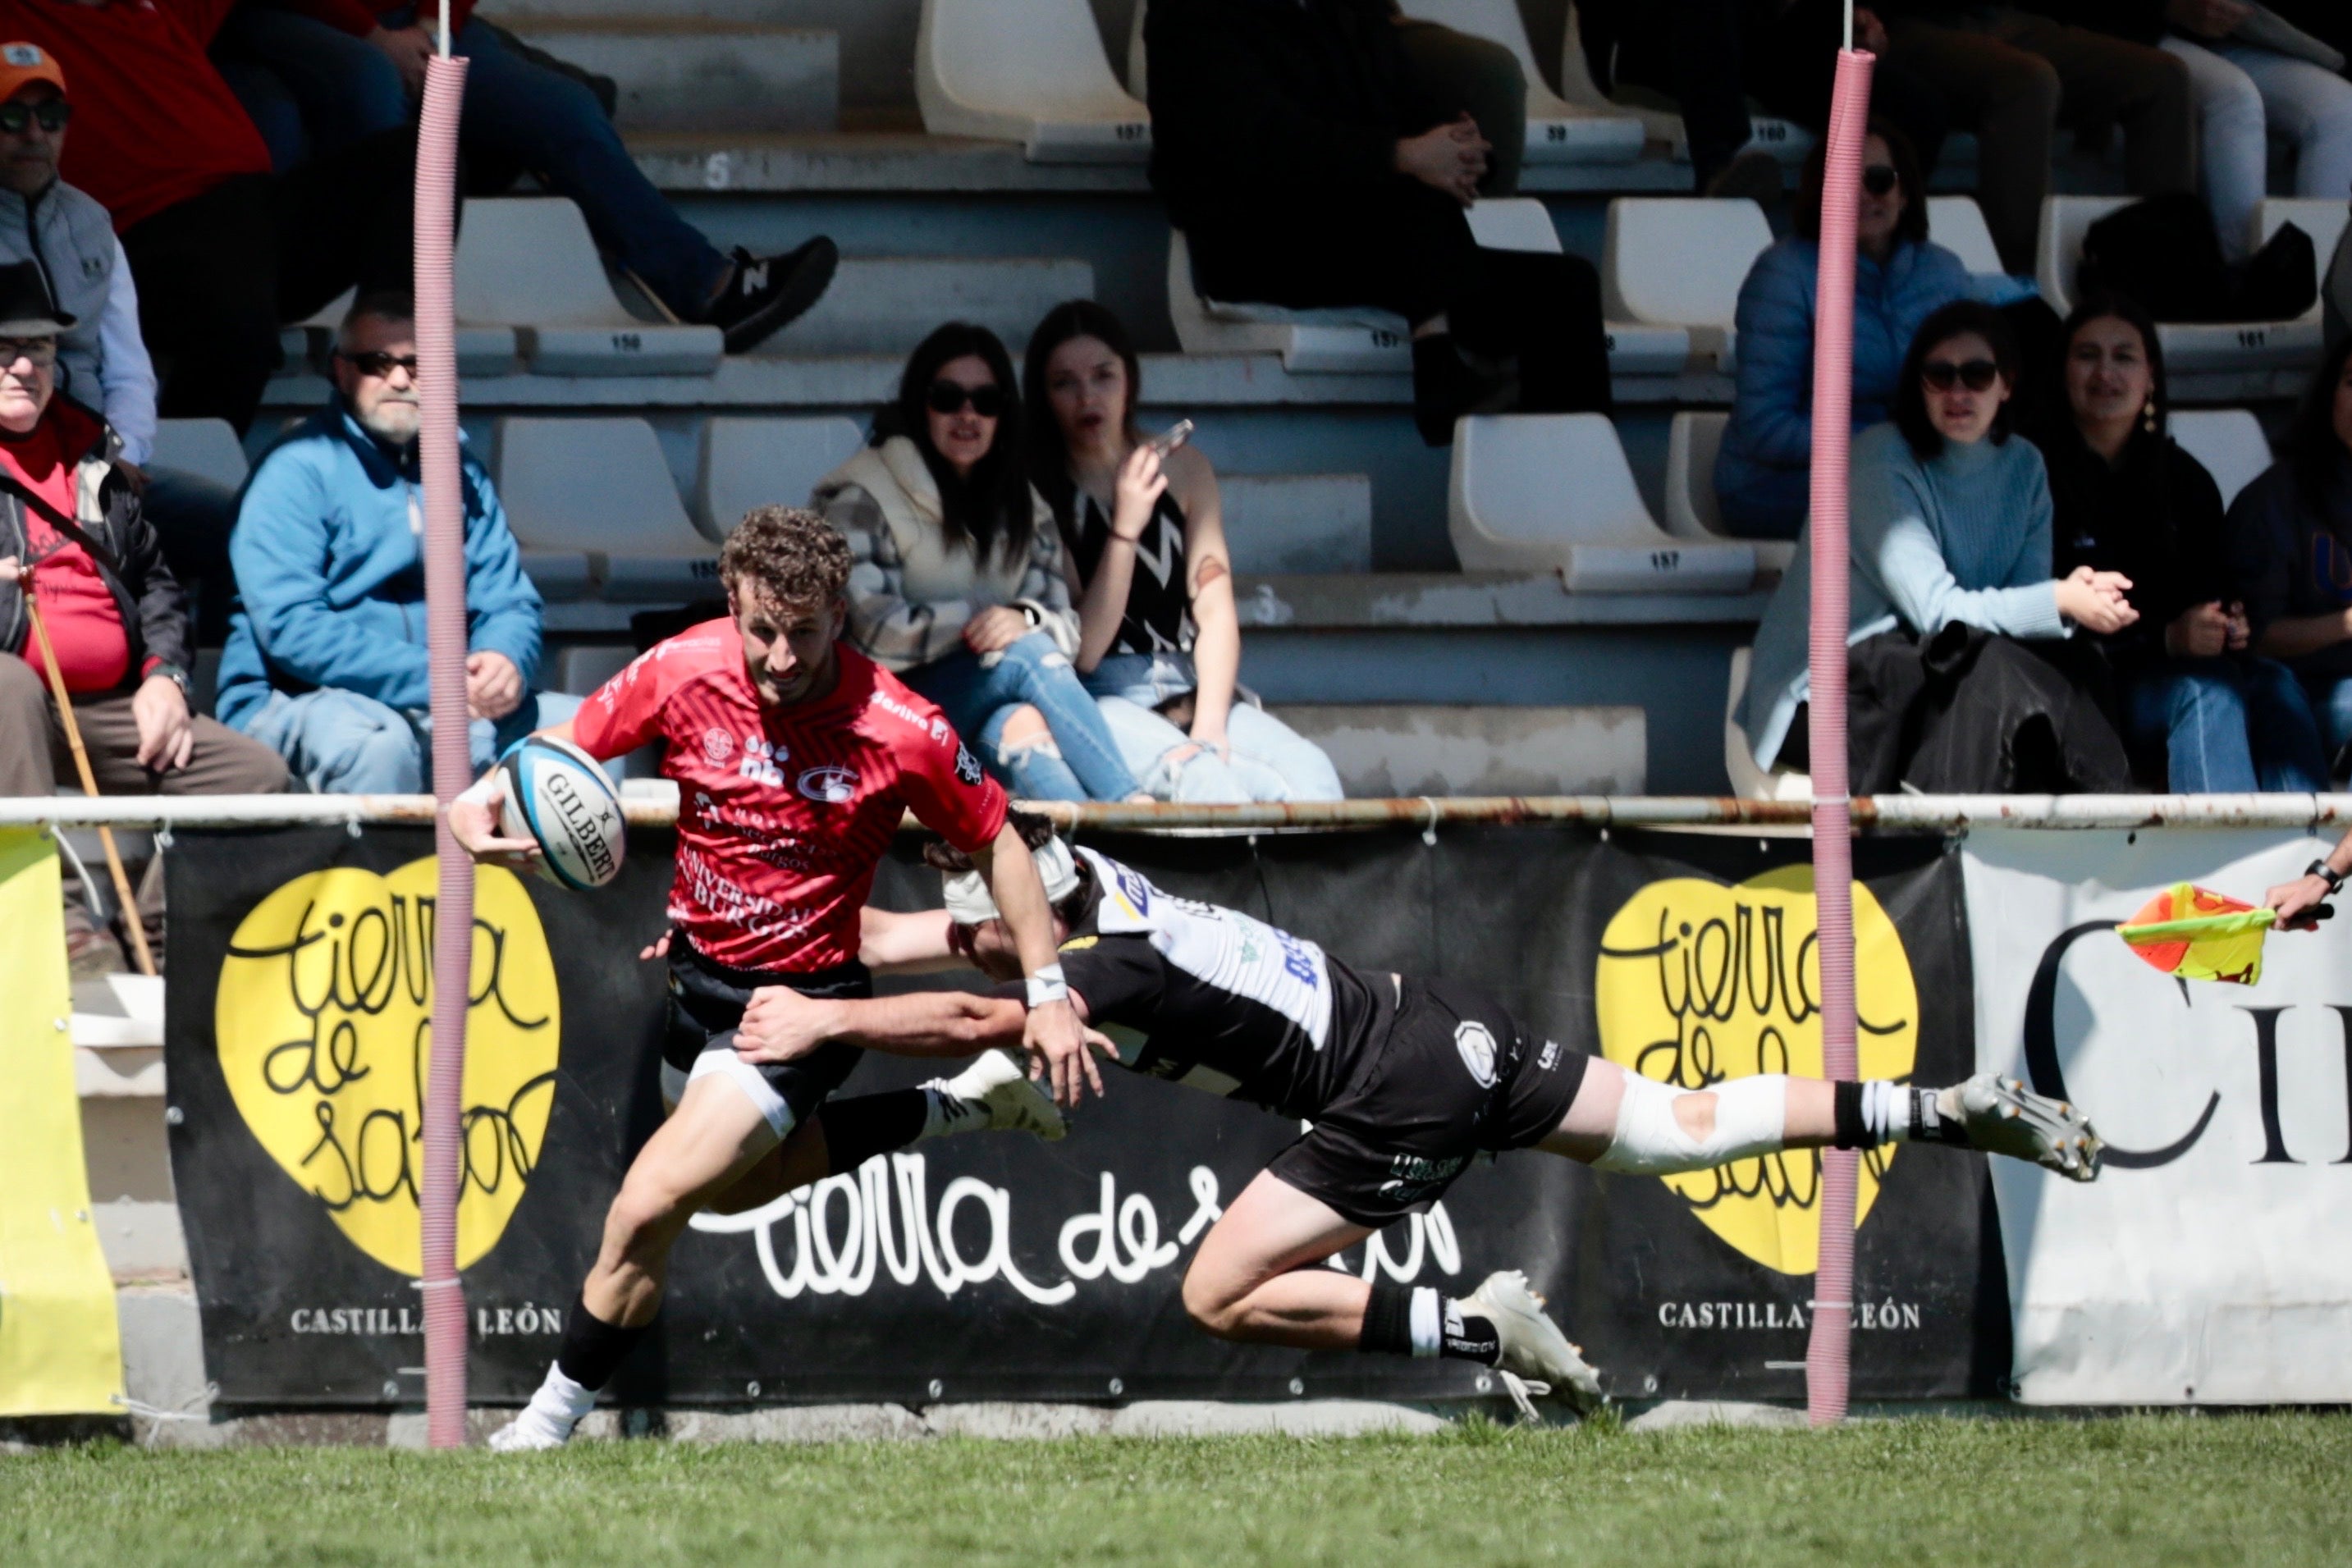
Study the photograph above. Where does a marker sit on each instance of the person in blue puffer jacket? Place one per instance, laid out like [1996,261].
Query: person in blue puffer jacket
[326,657]
[1763,470]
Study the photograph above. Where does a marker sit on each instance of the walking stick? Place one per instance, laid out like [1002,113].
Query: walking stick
[132,918]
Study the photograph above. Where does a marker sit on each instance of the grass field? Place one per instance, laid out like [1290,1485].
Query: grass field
[2142,1490]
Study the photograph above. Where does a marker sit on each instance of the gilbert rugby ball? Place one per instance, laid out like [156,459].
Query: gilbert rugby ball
[556,795]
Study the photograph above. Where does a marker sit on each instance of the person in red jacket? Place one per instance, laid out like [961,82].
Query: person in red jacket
[353,68]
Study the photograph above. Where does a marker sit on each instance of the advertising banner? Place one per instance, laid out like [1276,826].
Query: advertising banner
[2209,1264]
[993,1266]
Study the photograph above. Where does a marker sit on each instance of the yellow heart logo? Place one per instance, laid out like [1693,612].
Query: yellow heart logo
[1699,982]
[324,1027]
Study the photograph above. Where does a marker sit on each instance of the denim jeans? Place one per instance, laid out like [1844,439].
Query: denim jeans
[341,743]
[517,111]
[1269,761]
[1080,760]
[2229,725]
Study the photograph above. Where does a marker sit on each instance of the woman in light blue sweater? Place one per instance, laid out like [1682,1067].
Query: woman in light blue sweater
[1764,468]
[1958,679]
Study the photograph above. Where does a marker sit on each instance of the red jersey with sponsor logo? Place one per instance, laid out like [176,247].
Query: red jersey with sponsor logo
[784,812]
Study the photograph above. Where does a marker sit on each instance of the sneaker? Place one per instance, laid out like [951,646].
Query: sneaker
[547,1422]
[91,951]
[996,1085]
[2002,1116]
[1534,1350]
[767,292]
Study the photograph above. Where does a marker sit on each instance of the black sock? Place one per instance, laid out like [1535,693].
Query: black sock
[1853,1132]
[593,1348]
[857,1129]
[1445,1329]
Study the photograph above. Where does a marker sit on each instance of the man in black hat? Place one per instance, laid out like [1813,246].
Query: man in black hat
[72,533]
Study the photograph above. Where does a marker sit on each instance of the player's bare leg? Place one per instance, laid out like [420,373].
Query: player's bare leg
[1253,1280]
[1619,1121]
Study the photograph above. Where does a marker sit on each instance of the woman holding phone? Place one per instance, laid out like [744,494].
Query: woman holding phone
[1160,642]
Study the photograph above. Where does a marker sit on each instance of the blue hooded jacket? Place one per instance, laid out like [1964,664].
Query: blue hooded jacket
[329,568]
[1763,471]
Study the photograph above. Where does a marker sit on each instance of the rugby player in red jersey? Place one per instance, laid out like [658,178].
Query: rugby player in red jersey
[795,758]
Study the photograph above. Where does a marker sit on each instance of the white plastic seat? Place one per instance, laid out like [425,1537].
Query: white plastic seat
[757,461]
[1784,139]
[1957,224]
[1553,492]
[2227,441]
[2189,346]
[207,449]
[1678,261]
[596,495]
[1748,781]
[1558,131]
[1031,71]
[1692,442]
[529,263]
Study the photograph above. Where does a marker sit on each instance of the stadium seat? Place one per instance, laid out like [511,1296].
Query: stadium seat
[207,449]
[527,263]
[1748,781]
[1558,131]
[1785,139]
[1957,224]
[1296,522]
[481,350]
[1692,442]
[1553,491]
[755,462]
[1383,750]
[2189,346]
[1031,71]
[1678,261]
[595,507]
[2227,441]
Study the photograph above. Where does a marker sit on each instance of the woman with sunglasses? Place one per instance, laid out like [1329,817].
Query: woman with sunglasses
[959,587]
[2127,500]
[1959,678]
[2290,536]
[1763,470]
[1160,642]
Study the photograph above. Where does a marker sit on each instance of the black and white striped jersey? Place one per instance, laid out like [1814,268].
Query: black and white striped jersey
[1212,999]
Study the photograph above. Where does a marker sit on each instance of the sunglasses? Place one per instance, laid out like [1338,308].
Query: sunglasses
[52,113]
[1977,375]
[952,397]
[377,364]
[1879,179]
[41,352]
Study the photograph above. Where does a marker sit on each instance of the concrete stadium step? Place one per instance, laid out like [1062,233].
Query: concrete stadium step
[886,305]
[688,74]
[1297,522]
[1403,749]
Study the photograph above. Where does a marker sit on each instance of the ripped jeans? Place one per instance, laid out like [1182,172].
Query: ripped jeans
[1268,760]
[1077,760]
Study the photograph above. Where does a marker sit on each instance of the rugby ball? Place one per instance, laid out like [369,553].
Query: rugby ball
[556,795]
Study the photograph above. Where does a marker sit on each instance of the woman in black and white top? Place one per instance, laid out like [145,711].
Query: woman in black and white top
[1159,640]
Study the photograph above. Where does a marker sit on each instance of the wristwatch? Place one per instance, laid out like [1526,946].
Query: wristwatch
[2327,874]
[173,673]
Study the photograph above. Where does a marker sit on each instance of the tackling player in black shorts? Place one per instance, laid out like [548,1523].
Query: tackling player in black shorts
[1404,1080]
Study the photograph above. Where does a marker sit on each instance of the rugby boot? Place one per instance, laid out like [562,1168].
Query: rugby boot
[1534,1351]
[996,1087]
[2002,1116]
[548,1420]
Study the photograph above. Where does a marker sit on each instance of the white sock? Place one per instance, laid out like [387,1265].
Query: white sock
[560,1402]
[1898,1113]
[1427,1321]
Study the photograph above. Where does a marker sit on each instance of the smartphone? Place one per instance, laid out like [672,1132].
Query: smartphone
[1170,439]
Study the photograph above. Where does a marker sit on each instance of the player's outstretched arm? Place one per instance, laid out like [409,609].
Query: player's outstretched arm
[474,817]
[905,944]
[1056,1041]
[2294,901]
[782,1025]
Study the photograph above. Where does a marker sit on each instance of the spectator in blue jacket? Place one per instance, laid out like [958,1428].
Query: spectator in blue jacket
[1762,473]
[326,655]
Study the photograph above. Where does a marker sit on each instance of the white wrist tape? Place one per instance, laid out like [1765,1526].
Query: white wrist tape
[1048,986]
[489,791]
[1752,1117]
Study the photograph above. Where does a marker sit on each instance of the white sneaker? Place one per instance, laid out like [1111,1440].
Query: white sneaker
[1534,1350]
[2002,1116]
[546,1421]
[997,1085]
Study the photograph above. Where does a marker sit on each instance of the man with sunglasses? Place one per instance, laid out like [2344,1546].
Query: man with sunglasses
[325,660]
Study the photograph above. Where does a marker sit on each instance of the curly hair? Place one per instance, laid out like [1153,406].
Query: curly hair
[794,556]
